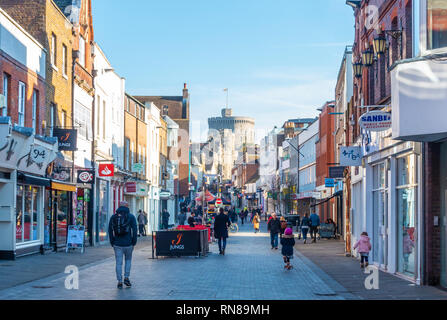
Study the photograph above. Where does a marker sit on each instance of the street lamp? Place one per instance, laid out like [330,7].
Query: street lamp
[379,45]
[368,57]
[358,69]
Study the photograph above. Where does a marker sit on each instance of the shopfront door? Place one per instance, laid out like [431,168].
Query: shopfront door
[380,215]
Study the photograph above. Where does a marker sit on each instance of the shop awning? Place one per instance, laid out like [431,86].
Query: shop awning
[32,180]
[327,199]
[63,186]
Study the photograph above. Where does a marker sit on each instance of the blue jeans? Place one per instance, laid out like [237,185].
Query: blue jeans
[119,253]
[274,240]
[304,232]
[222,243]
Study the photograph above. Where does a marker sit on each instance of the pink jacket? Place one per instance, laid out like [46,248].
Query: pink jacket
[363,244]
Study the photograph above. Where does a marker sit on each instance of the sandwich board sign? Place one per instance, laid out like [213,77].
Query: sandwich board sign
[75,238]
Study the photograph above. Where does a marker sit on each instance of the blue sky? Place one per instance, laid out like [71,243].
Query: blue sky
[279,58]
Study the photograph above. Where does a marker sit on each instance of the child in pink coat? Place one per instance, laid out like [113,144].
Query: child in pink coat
[364,246]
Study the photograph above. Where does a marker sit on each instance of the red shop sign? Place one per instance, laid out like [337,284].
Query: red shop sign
[106,170]
[131,187]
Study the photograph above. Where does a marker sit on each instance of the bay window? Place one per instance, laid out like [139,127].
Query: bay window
[436,24]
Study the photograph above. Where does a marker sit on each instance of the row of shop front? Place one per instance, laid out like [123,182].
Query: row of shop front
[39,200]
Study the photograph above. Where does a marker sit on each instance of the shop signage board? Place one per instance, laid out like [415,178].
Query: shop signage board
[106,170]
[375,121]
[351,156]
[75,238]
[336,172]
[338,186]
[178,243]
[131,187]
[165,194]
[66,139]
[329,183]
[86,176]
[137,167]
[39,154]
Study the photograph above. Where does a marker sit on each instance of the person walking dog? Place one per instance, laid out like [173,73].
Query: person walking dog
[287,243]
[123,238]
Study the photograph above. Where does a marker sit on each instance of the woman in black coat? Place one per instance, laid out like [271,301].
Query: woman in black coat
[221,224]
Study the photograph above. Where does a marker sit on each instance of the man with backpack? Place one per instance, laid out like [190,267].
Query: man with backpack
[123,237]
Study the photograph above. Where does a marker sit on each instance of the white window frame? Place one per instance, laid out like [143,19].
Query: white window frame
[63,118]
[104,121]
[64,60]
[34,123]
[81,51]
[51,126]
[6,80]
[53,56]
[21,104]
[423,30]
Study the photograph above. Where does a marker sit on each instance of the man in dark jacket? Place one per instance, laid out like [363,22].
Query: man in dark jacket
[221,224]
[314,224]
[182,218]
[141,223]
[274,227]
[123,238]
[192,220]
[165,219]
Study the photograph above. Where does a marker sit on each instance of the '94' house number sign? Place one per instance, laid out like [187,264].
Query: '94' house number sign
[38,154]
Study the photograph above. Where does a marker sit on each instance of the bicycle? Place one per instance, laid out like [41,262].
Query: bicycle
[234,228]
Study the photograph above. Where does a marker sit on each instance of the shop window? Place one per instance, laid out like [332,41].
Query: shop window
[27,214]
[406,214]
[436,24]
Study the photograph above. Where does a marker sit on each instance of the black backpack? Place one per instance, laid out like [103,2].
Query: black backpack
[120,224]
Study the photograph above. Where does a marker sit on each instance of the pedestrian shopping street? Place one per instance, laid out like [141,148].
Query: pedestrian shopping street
[250,270]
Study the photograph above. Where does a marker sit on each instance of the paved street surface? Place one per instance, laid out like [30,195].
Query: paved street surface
[329,255]
[250,270]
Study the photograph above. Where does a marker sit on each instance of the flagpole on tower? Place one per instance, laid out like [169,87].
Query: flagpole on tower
[226,90]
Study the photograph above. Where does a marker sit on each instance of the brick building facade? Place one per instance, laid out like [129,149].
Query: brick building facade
[177,108]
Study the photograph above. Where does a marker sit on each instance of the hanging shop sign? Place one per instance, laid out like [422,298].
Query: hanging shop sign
[329,182]
[86,176]
[338,186]
[351,156]
[106,170]
[375,121]
[164,195]
[336,172]
[66,139]
[131,187]
[137,167]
